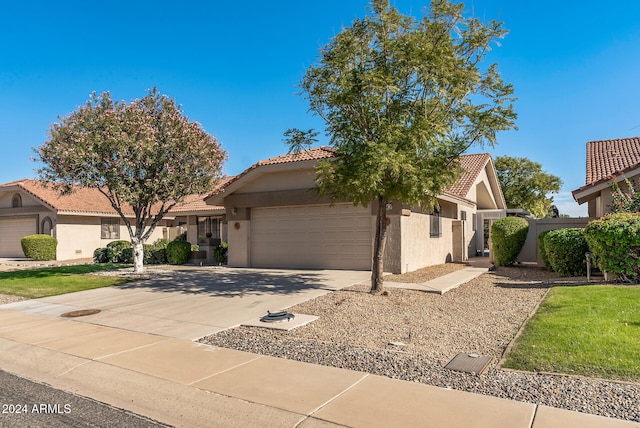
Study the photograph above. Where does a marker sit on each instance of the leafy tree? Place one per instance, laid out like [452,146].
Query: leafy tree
[144,156]
[402,98]
[625,202]
[525,185]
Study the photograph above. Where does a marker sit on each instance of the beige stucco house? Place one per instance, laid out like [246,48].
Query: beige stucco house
[275,219]
[85,220]
[608,160]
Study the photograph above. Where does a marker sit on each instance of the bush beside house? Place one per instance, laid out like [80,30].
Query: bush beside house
[542,250]
[39,247]
[615,243]
[121,252]
[178,252]
[508,235]
[565,251]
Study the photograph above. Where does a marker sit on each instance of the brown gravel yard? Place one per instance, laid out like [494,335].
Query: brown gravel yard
[355,330]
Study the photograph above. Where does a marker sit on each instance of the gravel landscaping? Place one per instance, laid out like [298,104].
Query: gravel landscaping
[412,335]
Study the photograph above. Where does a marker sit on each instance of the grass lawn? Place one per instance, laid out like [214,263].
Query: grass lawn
[34,283]
[587,330]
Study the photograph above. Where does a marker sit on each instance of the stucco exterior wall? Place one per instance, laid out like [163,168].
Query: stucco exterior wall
[27,200]
[418,248]
[238,233]
[285,180]
[530,252]
[79,236]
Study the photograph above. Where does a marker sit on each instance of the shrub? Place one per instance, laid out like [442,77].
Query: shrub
[103,255]
[118,247]
[220,253]
[126,256]
[155,255]
[566,250]
[178,252]
[508,235]
[615,243]
[542,249]
[39,247]
[160,243]
[181,237]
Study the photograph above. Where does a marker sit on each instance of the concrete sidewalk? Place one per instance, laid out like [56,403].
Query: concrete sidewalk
[477,266]
[182,383]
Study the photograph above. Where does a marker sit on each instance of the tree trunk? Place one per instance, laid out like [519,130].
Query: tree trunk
[377,269]
[138,255]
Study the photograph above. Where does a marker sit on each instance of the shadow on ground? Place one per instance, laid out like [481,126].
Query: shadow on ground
[225,283]
[522,277]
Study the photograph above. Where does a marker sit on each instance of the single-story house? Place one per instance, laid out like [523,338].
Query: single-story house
[608,160]
[275,219]
[85,219]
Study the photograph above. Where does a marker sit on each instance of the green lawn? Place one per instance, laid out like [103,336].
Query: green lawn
[587,330]
[34,283]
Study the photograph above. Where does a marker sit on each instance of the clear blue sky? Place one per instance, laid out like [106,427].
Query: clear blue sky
[234,67]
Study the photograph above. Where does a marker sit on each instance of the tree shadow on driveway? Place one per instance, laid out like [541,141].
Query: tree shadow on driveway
[233,282]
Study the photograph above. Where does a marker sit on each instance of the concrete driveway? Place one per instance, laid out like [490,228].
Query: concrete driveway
[191,302]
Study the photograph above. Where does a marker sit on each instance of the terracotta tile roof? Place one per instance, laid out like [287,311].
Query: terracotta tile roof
[85,200]
[316,153]
[606,158]
[82,200]
[195,203]
[472,166]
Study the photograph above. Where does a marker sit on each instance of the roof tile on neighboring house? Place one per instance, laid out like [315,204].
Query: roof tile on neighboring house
[82,199]
[472,166]
[606,158]
[89,200]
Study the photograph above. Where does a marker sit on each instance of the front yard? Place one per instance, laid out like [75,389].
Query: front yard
[412,335]
[43,282]
[587,330]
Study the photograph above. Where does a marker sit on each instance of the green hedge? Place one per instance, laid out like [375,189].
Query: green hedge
[614,241]
[178,252]
[39,247]
[566,250]
[508,235]
[122,251]
[542,249]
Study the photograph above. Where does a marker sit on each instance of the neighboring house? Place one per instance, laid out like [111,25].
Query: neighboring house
[85,219]
[276,219]
[608,160]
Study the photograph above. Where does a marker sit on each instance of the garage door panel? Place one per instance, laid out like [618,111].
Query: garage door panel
[321,236]
[12,231]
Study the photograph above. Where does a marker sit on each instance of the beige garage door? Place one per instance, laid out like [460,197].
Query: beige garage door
[11,232]
[314,237]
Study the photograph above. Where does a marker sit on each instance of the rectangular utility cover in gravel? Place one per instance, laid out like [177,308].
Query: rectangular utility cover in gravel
[469,363]
[297,321]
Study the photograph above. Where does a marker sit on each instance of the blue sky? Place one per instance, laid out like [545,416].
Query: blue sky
[234,67]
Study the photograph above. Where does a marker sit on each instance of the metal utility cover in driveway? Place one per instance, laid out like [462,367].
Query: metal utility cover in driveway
[469,363]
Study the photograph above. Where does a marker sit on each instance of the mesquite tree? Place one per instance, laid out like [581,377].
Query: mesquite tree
[144,156]
[402,99]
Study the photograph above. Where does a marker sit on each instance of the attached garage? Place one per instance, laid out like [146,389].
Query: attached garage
[312,236]
[12,230]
